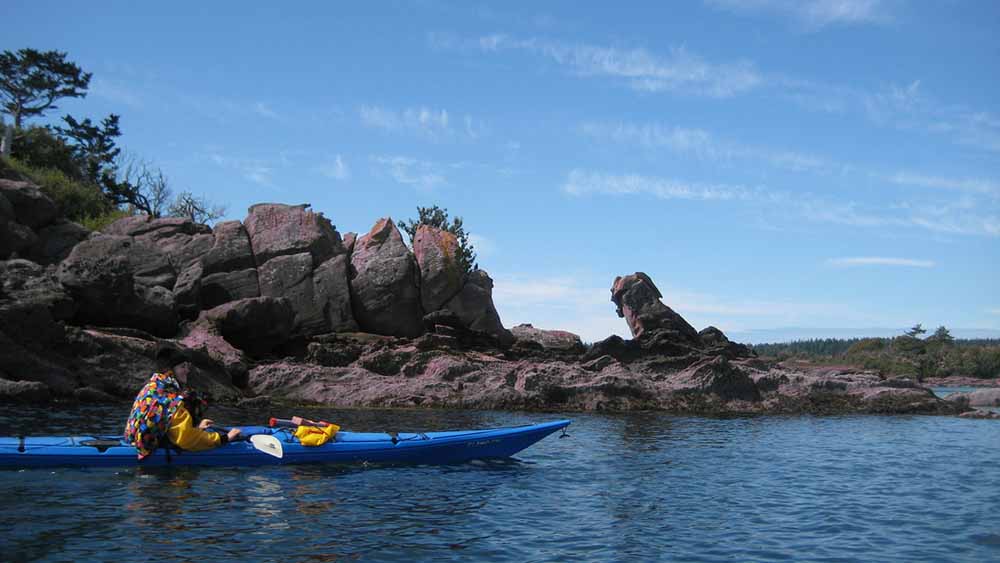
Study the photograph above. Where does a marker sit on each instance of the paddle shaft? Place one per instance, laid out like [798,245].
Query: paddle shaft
[290,423]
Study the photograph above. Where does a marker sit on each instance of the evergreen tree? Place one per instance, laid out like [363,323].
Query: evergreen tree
[438,218]
[941,336]
[30,83]
[94,146]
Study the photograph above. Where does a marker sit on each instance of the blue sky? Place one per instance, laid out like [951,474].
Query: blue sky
[770,163]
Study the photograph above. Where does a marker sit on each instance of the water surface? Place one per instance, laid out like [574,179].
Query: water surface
[633,487]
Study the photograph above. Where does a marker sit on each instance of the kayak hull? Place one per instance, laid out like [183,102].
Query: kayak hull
[346,448]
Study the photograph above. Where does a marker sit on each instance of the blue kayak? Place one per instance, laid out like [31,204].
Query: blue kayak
[346,447]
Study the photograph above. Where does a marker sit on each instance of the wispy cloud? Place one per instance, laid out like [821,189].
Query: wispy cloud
[116,92]
[262,109]
[582,182]
[993,311]
[679,70]
[410,171]
[813,14]
[430,123]
[879,261]
[972,185]
[255,170]
[701,144]
[335,168]
[957,216]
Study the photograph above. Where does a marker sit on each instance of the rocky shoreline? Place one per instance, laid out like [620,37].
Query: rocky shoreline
[281,308]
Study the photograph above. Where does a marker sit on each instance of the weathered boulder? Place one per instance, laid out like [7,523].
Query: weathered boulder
[187,291]
[278,230]
[56,241]
[716,342]
[989,397]
[230,250]
[290,276]
[440,276]
[474,306]
[15,238]
[224,287]
[31,301]
[718,377]
[320,297]
[333,293]
[638,301]
[560,340]
[256,325]
[384,293]
[981,414]
[182,241]
[117,280]
[23,282]
[107,264]
[164,228]
[24,391]
[19,362]
[31,207]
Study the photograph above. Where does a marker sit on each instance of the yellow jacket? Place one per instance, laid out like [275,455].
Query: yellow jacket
[186,436]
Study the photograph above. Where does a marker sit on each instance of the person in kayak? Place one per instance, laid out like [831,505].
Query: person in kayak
[164,414]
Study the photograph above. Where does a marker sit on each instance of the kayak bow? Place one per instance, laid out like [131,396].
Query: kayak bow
[346,447]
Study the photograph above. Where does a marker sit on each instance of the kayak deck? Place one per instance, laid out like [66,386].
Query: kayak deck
[346,447]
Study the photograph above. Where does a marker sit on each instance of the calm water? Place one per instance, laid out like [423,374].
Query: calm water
[637,487]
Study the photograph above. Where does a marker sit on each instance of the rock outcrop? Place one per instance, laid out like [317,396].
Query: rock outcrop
[300,256]
[474,306]
[383,285]
[273,306]
[441,278]
[638,301]
[117,281]
[277,229]
[28,204]
[559,340]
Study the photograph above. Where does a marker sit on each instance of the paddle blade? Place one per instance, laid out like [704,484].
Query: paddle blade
[267,444]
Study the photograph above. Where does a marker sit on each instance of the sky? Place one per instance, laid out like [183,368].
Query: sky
[814,164]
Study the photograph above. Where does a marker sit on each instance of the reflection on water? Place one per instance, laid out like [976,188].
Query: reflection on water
[642,486]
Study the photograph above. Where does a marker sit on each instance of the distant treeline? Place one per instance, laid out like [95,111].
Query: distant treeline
[910,354]
[832,347]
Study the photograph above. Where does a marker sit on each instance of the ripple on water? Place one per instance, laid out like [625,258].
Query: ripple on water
[643,486]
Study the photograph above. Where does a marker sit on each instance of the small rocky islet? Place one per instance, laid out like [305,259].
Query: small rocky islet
[282,308]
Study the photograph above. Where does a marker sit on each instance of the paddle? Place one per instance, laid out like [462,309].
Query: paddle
[261,442]
[294,422]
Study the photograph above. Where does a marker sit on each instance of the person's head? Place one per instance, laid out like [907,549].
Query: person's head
[172,359]
[195,403]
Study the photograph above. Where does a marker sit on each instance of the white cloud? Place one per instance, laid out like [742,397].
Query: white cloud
[581,182]
[993,311]
[813,14]
[879,261]
[430,123]
[961,217]
[262,109]
[679,71]
[256,170]
[700,143]
[974,185]
[336,169]
[410,171]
